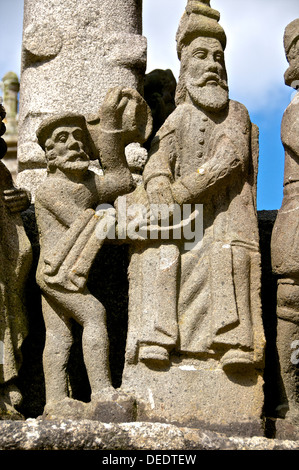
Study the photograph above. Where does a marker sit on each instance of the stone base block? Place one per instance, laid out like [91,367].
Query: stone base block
[38,434]
[198,394]
[117,408]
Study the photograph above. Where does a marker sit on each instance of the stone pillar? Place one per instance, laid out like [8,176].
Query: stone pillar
[72,53]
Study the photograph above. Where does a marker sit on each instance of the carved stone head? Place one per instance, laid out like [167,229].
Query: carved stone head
[201,42]
[66,143]
[291,45]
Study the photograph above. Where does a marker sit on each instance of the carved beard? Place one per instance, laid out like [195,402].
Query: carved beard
[79,162]
[211,97]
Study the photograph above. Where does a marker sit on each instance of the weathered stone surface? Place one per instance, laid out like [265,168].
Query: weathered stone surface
[15,262]
[186,366]
[71,56]
[90,435]
[74,217]
[10,88]
[285,262]
[195,348]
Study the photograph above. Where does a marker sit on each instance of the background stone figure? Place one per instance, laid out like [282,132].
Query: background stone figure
[15,262]
[72,230]
[285,244]
[10,89]
[159,93]
[202,303]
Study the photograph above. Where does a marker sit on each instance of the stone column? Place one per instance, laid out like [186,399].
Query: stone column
[73,52]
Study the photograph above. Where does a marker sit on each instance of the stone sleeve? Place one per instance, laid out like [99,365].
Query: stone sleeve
[159,158]
[224,165]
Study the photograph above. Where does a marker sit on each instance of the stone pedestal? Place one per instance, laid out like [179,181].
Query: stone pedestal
[198,394]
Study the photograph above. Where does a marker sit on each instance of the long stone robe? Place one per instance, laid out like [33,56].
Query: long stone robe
[15,262]
[212,162]
[285,242]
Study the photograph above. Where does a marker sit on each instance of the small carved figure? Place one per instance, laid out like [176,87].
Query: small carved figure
[71,228]
[15,261]
[285,244]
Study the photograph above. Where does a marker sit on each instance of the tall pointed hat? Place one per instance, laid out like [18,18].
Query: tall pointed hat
[291,34]
[199,20]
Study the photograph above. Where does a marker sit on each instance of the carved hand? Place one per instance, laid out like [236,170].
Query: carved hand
[159,191]
[125,111]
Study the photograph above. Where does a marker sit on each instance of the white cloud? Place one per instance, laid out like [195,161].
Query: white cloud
[255,55]
[160,23]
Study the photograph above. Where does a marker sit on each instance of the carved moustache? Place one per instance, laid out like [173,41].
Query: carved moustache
[74,156]
[209,76]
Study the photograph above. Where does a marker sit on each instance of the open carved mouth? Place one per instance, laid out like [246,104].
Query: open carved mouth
[75,157]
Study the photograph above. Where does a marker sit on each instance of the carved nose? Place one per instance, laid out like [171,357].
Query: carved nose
[73,144]
[212,66]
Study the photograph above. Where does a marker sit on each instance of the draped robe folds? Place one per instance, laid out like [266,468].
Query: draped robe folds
[213,163]
[15,261]
[285,237]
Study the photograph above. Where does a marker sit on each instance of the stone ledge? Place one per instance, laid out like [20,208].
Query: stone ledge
[39,434]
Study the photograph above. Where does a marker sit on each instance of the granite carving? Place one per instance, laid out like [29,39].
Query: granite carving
[197,307]
[151,301]
[74,215]
[285,262]
[15,262]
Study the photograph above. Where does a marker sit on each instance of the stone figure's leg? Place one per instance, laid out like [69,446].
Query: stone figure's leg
[288,346]
[56,351]
[95,344]
[90,313]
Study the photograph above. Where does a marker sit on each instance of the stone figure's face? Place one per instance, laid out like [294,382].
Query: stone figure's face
[292,74]
[65,150]
[205,73]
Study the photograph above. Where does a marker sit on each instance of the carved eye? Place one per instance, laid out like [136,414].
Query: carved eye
[219,57]
[61,138]
[200,54]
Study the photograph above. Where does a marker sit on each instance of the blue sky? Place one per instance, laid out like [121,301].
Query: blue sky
[254,57]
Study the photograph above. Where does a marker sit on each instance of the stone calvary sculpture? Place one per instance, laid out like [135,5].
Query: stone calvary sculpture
[195,314]
[155,179]
[15,261]
[284,241]
[73,220]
